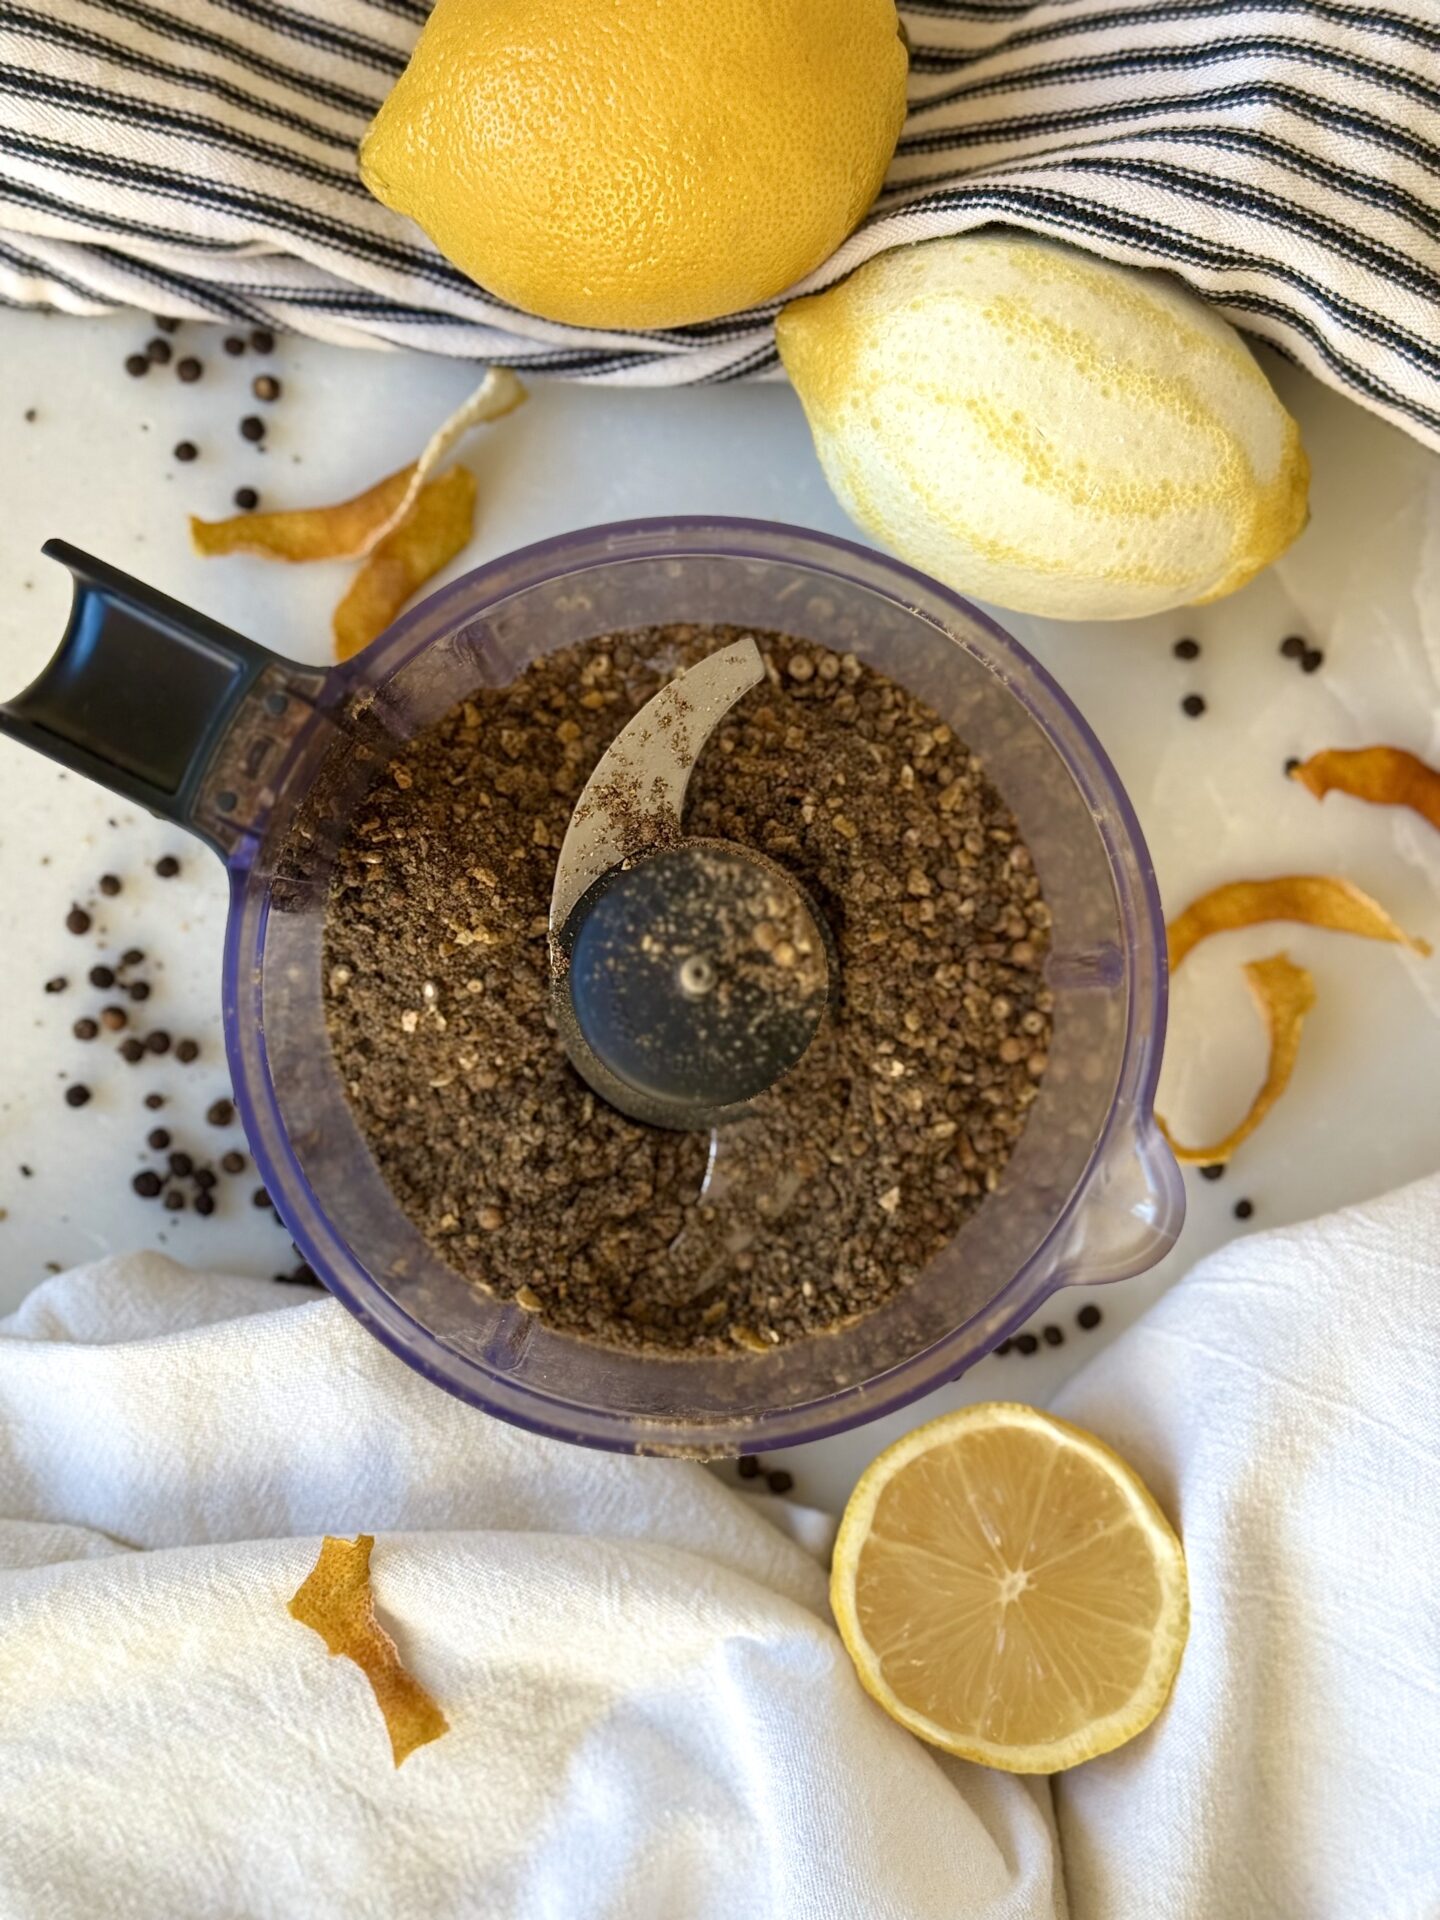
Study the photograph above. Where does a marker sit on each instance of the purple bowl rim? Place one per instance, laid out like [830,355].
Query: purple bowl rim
[541,1413]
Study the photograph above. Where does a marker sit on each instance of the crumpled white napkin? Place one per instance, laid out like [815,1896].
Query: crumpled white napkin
[650,1714]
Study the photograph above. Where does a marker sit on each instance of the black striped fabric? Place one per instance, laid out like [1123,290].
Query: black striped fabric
[197,157]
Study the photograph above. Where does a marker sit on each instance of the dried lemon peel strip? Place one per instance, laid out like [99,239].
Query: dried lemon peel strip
[1286,993]
[437,527]
[342,532]
[355,527]
[1384,776]
[335,1599]
[1314,899]
[498,393]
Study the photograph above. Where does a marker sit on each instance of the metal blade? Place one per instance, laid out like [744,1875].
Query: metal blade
[634,798]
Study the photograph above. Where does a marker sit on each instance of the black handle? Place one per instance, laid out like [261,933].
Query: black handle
[142,694]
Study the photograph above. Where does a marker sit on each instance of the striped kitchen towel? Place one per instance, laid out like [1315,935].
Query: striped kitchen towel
[197,158]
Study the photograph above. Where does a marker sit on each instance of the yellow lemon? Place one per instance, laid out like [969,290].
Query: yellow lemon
[1009,1590]
[1045,430]
[623,163]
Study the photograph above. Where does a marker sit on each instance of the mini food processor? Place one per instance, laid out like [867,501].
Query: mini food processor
[266,760]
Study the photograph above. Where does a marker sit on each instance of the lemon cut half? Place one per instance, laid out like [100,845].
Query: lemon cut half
[1010,1591]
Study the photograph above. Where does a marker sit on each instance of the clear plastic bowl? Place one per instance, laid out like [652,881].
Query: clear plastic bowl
[1090,1194]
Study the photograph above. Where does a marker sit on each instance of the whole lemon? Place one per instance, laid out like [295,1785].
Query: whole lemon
[641,163]
[1045,430]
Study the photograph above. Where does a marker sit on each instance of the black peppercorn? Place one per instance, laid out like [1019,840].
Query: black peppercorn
[181,1165]
[186,450]
[158,1138]
[1294,647]
[102,977]
[252,427]
[167,866]
[159,1041]
[131,957]
[220,1113]
[1193,704]
[77,1096]
[189,368]
[260,1198]
[175,1200]
[154,1101]
[1244,1209]
[204,1204]
[1089,1317]
[262,340]
[132,1050]
[110,885]
[780,1481]
[1186,649]
[1027,1343]
[157,352]
[1052,1336]
[186,1051]
[234,345]
[85,1029]
[233,1162]
[139,990]
[147,1185]
[57,985]
[748,1467]
[1216,1171]
[136,364]
[77,921]
[1311,659]
[247,499]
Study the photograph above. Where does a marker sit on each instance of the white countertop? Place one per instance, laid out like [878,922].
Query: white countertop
[95,466]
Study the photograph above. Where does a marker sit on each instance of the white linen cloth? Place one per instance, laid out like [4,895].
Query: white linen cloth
[651,1716]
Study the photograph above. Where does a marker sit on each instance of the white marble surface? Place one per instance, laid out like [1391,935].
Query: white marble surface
[95,466]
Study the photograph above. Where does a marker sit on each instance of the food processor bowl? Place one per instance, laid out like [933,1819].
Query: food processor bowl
[267,760]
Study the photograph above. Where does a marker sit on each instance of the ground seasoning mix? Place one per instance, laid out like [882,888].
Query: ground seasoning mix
[855,1169]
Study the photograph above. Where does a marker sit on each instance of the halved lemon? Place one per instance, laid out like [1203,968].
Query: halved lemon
[1010,1591]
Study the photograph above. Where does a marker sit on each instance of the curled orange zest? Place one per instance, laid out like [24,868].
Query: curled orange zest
[1286,993]
[1385,776]
[336,1600]
[307,533]
[1315,899]
[437,527]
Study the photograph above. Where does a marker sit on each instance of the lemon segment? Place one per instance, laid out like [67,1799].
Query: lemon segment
[1009,1590]
[624,164]
[1046,430]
